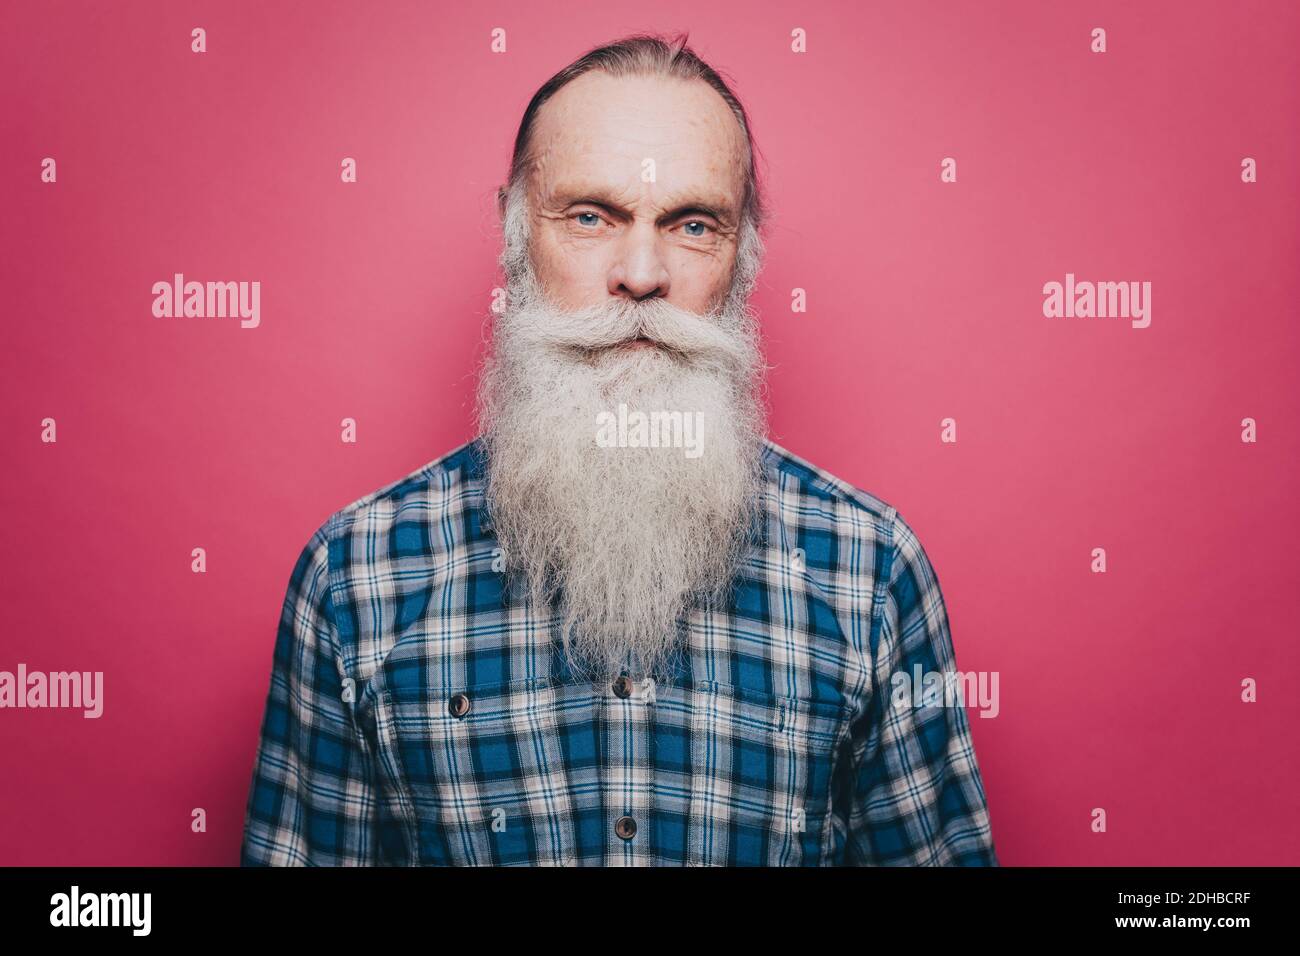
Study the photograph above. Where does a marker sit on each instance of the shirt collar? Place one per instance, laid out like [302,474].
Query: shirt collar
[476,465]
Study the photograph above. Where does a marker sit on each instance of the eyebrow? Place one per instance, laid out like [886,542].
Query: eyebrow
[680,204]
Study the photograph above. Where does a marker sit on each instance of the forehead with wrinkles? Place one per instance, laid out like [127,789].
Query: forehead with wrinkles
[593,138]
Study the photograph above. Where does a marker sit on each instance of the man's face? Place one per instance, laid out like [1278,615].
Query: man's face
[636,193]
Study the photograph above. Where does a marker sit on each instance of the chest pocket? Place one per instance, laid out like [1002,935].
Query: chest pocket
[762,769]
[484,774]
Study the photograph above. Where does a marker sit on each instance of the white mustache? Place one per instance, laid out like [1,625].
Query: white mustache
[710,339]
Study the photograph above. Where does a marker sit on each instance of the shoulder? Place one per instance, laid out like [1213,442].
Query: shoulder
[380,553]
[430,485]
[403,517]
[417,498]
[784,465]
[823,505]
[815,495]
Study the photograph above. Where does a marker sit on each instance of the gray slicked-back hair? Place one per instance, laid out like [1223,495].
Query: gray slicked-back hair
[640,55]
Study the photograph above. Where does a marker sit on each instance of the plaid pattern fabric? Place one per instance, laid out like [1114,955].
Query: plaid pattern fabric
[776,742]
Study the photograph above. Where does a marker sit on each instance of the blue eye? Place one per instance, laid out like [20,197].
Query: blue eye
[594,217]
[696,235]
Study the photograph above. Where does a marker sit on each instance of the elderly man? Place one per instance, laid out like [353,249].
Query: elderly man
[620,627]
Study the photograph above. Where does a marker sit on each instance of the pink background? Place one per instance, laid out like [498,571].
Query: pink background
[1118,690]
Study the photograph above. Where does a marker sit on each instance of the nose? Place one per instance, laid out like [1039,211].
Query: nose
[639,271]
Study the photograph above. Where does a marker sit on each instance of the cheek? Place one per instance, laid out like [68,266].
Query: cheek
[575,274]
[698,281]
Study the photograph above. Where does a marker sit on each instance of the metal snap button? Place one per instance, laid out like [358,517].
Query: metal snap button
[623,687]
[625,828]
[458,706]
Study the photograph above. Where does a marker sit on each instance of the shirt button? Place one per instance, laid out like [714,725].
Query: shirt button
[625,828]
[623,687]
[458,706]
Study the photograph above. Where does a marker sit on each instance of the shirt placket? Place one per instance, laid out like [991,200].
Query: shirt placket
[627,703]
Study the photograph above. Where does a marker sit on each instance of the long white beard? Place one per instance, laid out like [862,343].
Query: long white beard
[626,537]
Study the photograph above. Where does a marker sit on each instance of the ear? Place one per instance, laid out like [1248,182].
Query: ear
[501,202]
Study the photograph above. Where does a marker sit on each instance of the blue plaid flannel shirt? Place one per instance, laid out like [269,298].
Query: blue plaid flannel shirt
[776,743]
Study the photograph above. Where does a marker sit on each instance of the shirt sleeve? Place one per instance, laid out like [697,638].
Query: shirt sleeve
[917,798]
[312,800]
